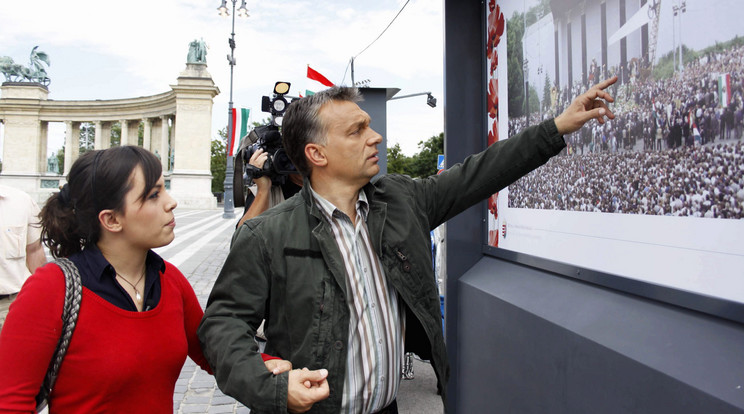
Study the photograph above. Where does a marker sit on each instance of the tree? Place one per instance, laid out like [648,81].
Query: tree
[115,134]
[397,162]
[514,58]
[421,164]
[219,161]
[424,163]
[546,95]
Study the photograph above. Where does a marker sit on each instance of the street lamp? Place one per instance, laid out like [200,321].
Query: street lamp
[229,212]
[678,9]
[430,99]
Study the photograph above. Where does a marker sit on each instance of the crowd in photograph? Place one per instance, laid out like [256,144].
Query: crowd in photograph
[698,181]
[675,147]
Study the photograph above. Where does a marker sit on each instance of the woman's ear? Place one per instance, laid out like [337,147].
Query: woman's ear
[109,221]
[315,155]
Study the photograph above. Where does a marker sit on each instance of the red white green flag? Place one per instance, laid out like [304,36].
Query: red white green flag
[316,76]
[239,129]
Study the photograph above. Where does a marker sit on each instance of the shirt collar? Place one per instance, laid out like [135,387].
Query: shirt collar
[99,266]
[329,210]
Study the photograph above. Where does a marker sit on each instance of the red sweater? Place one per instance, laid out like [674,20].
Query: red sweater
[118,361]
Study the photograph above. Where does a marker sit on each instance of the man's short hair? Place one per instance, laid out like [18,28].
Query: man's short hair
[302,125]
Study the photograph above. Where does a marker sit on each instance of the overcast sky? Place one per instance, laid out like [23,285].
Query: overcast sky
[111,50]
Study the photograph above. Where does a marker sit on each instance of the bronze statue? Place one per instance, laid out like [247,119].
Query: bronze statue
[36,72]
[197,52]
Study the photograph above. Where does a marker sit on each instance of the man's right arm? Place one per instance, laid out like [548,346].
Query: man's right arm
[234,312]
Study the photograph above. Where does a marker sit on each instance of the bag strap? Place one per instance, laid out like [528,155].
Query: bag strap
[70,311]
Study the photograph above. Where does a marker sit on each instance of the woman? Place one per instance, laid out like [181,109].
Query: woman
[138,314]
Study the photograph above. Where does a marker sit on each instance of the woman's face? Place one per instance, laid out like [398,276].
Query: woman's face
[148,224]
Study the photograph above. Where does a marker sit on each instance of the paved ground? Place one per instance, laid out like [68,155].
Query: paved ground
[201,245]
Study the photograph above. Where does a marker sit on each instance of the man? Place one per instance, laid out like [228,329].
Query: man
[342,273]
[20,244]
[267,194]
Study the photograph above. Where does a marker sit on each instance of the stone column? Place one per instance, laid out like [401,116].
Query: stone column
[72,144]
[124,132]
[146,139]
[98,142]
[22,146]
[134,133]
[172,144]
[164,139]
[43,142]
[105,135]
[191,181]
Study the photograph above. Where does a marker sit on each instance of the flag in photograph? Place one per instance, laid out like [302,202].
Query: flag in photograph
[314,75]
[239,129]
[724,89]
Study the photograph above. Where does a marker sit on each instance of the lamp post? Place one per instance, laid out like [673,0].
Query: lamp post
[678,9]
[229,211]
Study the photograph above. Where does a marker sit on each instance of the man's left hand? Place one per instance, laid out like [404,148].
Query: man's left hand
[589,105]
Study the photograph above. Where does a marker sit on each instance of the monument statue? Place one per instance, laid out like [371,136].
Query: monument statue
[197,52]
[36,72]
[53,164]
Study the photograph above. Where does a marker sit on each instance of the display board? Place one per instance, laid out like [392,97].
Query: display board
[656,195]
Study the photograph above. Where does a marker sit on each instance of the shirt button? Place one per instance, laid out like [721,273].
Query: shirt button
[382,378]
[338,345]
[379,341]
[373,304]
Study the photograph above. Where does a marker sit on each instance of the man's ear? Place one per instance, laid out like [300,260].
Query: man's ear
[315,155]
[109,221]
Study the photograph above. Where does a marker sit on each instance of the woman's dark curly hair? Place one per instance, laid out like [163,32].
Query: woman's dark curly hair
[97,181]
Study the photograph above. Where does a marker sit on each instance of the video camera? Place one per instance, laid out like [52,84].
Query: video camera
[268,138]
[277,165]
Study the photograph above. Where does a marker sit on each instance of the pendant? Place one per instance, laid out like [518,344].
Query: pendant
[138,296]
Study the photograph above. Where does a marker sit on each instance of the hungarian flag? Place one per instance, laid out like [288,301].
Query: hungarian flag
[239,129]
[724,89]
[314,75]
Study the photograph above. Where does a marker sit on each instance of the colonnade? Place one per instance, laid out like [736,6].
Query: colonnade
[177,127]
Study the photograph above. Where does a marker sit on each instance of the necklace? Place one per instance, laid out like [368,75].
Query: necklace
[137,295]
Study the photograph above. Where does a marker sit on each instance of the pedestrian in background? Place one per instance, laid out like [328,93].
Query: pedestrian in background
[20,244]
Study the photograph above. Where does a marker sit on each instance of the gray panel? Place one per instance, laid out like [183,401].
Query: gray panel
[532,342]
[464,134]
[375,104]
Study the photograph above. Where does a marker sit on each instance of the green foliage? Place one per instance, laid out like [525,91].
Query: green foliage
[61,159]
[219,161]
[115,134]
[266,121]
[421,164]
[397,162]
[141,134]
[534,100]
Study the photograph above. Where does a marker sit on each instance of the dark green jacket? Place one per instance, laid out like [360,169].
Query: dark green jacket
[284,266]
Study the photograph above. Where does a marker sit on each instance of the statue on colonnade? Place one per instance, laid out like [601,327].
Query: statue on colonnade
[197,52]
[35,72]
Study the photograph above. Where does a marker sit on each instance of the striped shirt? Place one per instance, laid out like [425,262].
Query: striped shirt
[376,325]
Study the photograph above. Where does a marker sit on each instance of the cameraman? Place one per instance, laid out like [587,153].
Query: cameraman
[266,194]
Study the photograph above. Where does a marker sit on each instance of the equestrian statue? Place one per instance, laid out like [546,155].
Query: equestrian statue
[35,72]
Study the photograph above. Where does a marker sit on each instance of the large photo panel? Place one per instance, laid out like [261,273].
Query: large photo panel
[656,195]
